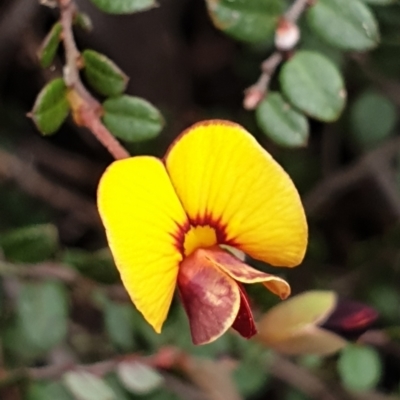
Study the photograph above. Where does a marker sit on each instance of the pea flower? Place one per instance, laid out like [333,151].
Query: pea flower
[170,221]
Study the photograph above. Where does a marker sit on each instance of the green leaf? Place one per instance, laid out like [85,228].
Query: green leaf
[86,386]
[114,383]
[83,20]
[103,74]
[138,378]
[281,123]
[30,244]
[98,265]
[119,324]
[348,25]
[42,313]
[380,2]
[359,367]
[373,118]
[314,85]
[51,107]
[250,21]
[50,44]
[47,391]
[124,6]
[251,375]
[132,119]
[312,42]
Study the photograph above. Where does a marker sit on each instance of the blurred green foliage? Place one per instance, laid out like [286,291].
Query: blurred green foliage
[60,295]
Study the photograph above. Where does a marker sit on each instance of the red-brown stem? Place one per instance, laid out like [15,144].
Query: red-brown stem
[268,67]
[88,110]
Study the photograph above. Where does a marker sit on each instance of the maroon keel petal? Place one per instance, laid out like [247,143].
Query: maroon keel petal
[242,272]
[211,298]
[244,322]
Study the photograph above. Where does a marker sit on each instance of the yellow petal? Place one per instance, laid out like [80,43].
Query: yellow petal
[225,179]
[144,221]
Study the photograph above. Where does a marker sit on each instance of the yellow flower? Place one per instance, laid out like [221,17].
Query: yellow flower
[166,221]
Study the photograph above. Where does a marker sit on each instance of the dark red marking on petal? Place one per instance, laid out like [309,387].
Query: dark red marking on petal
[210,297]
[350,318]
[179,236]
[244,322]
[206,220]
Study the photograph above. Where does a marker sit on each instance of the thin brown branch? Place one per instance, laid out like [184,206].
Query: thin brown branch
[13,24]
[255,93]
[389,87]
[166,358]
[63,273]
[301,379]
[297,9]
[314,387]
[36,185]
[374,164]
[59,162]
[86,110]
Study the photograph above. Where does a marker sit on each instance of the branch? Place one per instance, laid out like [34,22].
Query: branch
[62,273]
[301,379]
[255,93]
[313,387]
[374,164]
[167,358]
[36,185]
[86,110]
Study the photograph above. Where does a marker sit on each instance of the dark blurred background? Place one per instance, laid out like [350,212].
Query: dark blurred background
[180,62]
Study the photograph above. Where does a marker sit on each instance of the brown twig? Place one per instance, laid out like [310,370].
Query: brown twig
[73,167]
[63,273]
[374,164]
[301,379]
[164,360]
[314,387]
[255,93]
[36,185]
[13,24]
[86,110]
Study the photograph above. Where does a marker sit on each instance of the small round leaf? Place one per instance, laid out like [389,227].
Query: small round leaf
[138,378]
[83,20]
[50,44]
[314,85]
[42,313]
[373,118]
[119,324]
[359,367]
[348,25]
[250,21]
[124,6]
[47,391]
[103,74]
[281,123]
[86,386]
[30,244]
[51,107]
[132,119]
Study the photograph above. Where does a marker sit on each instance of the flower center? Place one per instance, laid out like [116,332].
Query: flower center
[199,237]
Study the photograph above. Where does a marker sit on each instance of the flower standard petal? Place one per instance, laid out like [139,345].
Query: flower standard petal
[144,222]
[243,273]
[210,297]
[225,179]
